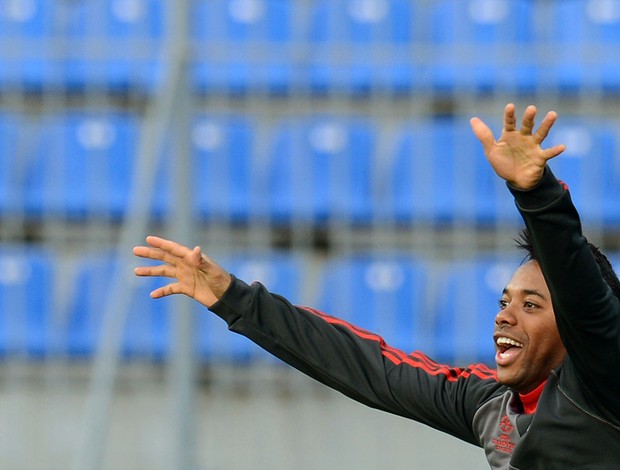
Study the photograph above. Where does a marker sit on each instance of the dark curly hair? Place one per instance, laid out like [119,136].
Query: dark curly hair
[524,242]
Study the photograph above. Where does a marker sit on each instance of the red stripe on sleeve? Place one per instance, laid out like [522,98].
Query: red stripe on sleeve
[416,359]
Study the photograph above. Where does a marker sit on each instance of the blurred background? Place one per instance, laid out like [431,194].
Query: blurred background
[320,146]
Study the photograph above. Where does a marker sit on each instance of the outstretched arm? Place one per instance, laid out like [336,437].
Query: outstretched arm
[517,156]
[195,274]
[342,356]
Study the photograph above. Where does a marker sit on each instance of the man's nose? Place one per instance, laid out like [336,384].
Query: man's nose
[506,316]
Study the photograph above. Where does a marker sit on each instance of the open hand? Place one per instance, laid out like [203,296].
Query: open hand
[195,274]
[517,156]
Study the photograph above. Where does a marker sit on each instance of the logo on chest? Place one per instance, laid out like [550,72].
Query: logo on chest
[503,443]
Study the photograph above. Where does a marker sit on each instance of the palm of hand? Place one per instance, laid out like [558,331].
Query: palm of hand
[200,278]
[518,159]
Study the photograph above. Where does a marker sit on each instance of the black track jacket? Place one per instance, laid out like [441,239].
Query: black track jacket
[577,420]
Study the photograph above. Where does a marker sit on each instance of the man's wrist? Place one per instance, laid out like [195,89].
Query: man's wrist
[546,191]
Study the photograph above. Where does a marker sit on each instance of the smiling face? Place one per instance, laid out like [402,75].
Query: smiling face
[527,342]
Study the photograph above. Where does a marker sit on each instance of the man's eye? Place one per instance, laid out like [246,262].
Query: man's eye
[530,305]
[502,303]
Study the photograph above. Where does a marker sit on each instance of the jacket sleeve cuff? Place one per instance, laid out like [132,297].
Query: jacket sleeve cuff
[235,302]
[547,191]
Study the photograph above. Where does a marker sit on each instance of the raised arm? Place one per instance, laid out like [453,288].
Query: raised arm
[586,309]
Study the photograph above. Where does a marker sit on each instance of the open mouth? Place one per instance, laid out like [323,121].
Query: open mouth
[507,350]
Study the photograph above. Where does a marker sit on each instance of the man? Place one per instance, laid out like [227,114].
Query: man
[552,402]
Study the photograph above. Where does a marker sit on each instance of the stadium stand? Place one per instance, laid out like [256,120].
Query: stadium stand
[386,294]
[421,186]
[320,169]
[108,45]
[80,165]
[581,58]
[26,300]
[241,46]
[80,337]
[148,327]
[224,169]
[83,165]
[439,175]
[361,46]
[483,45]
[146,330]
[113,45]
[12,169]
[25,50]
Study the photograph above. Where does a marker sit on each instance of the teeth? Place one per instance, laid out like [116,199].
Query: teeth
[508,342]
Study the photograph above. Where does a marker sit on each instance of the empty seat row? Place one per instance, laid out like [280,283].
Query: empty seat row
[407,300]
[82,44]
[316,45]
[67,165]
[302,170]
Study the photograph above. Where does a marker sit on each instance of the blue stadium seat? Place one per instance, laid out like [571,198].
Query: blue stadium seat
[26,61]
[467,303]
[223,150]
[361,45]
[590,166]
[243,46]
[146,331]
[280,273]
[420,179]
[114,45]
[439,175]
[386,294]
[320,169]
[84,316]
[582,57]
[483,45]
[83,44]
[15,159]
[83,165]
[26,301]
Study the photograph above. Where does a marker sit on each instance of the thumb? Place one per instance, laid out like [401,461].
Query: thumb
[196,256]
[483,133]
[553,151]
